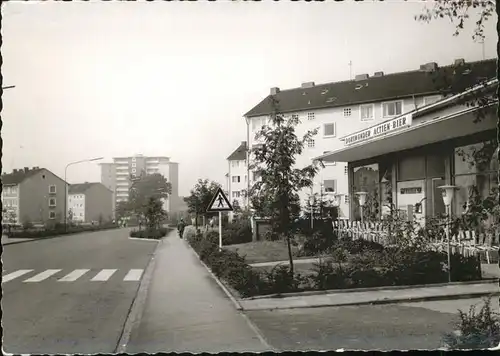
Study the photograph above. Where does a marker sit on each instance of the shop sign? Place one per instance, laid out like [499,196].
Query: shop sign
[411,190]
[379,130]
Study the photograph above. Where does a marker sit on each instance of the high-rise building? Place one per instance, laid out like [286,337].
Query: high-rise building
[118,174]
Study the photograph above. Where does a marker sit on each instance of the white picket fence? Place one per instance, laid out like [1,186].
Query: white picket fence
[466,243]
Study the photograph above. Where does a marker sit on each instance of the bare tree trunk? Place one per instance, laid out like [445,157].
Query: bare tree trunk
[290,257]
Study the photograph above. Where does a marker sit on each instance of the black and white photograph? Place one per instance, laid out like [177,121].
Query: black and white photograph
[249,176]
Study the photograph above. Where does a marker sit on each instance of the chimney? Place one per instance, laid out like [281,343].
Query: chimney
[36,167]
[275,90]
[307,85]
[459,62]
[429,67]
[378,74]
[14,170]
[26,169]
[361,77]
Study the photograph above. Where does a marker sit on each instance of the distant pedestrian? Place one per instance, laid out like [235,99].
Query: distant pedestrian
[180,228]
[212,223]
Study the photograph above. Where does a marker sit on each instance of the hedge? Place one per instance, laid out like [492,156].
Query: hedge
[60,230]
[151,233]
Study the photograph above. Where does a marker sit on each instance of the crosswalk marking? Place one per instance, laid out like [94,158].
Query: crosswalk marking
[104,275]
[15,275]
[73,276]
[41,276]
[133,275]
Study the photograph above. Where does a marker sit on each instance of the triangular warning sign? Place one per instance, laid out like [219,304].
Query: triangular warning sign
[219,202]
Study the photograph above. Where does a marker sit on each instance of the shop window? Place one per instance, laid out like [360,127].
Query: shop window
[476,158]
[471,184]
[410,168]
[435,166]
[366,178]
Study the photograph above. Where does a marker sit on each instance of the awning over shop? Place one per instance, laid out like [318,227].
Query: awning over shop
[410,135]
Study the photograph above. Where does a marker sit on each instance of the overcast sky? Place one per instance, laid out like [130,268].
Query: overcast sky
[175,78]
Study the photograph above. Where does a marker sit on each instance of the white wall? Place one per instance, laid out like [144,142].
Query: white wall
[237,169]
[344,125]
[76,202]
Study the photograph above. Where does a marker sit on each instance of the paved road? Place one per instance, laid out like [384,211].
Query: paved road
[86,312]
[383,327]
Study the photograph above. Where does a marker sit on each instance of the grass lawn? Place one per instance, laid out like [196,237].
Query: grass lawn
[263,251]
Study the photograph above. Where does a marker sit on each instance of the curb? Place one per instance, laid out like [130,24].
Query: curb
[387,301]
[137,307]
[141,239]
[370,289]
[221,285]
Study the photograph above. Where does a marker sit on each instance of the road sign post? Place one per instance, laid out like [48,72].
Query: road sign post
[219,204]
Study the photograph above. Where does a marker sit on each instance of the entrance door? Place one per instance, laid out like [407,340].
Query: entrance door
[412,193]
[437,197]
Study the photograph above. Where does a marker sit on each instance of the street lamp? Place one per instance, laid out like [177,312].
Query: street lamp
[338,201]
[8,87]
[362,202]
[311,202]
[66,187]
[447,191]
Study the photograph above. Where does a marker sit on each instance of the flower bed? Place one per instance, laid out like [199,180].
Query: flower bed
[59,230]
[351,264]
[155,234]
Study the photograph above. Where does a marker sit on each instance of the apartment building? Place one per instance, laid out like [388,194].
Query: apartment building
[33,195]
[237,176]
[117,176]
[90,202]
[340,108]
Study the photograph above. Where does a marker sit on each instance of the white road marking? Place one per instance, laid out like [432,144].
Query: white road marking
[104,275]
[41,276]
[14,275]
[133,275]
[73,276]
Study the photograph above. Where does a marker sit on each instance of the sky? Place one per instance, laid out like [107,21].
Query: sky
[108,79]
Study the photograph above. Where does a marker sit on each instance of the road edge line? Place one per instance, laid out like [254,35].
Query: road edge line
[137,307]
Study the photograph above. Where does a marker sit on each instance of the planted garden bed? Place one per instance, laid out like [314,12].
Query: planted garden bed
[154,234]
[57,231]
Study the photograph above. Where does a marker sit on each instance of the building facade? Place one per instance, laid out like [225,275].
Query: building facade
[90,202]
[33,195]
[338,109]
[117,176]
[438,145]
[237,178]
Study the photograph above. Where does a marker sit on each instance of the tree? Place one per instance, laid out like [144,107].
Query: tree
[154,213]
[200,197]
[279,181]
[9,217]
[70,215]
[458,12]
[142,190]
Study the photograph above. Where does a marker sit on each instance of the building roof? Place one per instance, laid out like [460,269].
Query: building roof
[18,175]
[373,89]
[240,154]
[81,188]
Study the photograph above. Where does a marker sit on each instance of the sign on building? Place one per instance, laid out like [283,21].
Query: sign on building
[381,129]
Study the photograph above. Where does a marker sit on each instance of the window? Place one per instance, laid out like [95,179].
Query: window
[411,168]
[431,99]
[134,170]
[234,164]
[295,116]
[255,175]
[52,202]
[236,179]
[310,143]
[258,122]
[236,194]
[52,214]
[310,116]
[134,165]
[393,108]
[347,112]
[346,199]
[330,185]
[366,112]
[133,159]
[52,189]
[346,170]
[329,130]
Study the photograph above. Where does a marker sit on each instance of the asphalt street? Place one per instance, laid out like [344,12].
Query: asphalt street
[74,294]
[409,326]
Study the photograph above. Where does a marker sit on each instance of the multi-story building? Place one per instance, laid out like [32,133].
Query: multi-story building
[90,202]
[33,195]
[340,108]
[237,176]
[117,176]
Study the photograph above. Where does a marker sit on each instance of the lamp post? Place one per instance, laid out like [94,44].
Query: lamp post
[362,202]
[311,202]
[448,191]
[338,201]
[66,187]
[8,87]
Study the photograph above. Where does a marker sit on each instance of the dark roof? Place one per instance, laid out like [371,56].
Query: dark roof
[81,188]
[19,175]
[385,87]
[240,154]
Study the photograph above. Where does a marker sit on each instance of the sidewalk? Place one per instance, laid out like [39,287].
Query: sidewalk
[7,241]
[186,311]
[387,296]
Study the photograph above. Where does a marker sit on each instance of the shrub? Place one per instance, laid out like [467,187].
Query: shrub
[237,232]
[475,330]
[358,246]
[279,280]
[34,234]
[150,233]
